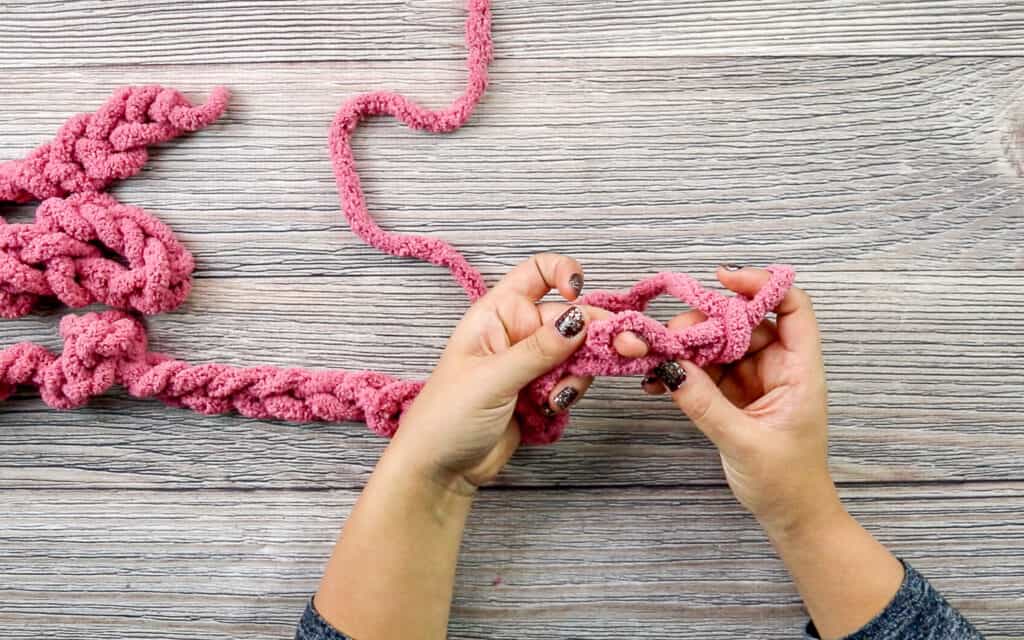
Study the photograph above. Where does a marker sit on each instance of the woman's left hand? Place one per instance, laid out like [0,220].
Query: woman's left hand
[461,430]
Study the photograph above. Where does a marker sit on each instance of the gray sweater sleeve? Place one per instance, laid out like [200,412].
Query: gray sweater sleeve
[313,627]
[917,612]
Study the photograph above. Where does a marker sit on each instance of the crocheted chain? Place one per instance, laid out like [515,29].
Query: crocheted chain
[104,349]
[92,150]
[65,254]
[58,257]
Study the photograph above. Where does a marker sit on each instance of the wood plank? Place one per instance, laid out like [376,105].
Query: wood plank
[864,163]
[538,564]
[901,212]
[925,373]
[158,32]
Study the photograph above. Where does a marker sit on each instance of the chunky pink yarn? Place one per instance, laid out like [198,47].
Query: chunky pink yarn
[66,254]
[92,150]
[58,257]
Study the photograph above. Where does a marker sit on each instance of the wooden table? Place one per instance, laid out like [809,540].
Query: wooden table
[876,146]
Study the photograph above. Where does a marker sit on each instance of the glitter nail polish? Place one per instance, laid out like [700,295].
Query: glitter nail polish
[566,397]
[576,282]
[671,374]
[570,323]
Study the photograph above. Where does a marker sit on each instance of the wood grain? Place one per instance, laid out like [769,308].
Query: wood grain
[538,564]
[863,163]
[883,180]
[637,136]
[158,32]
[925,376]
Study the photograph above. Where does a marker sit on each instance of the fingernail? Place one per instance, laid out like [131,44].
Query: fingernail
[671,374]
[548,411]
[576,282]
[570,323]
[648,380]
[565,398]
[731,267]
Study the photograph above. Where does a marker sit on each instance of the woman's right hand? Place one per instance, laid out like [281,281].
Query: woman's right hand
[767,413]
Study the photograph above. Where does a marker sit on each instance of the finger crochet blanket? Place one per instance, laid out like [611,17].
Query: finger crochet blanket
[85,247]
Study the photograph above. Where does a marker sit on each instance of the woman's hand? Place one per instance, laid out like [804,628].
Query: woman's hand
[460,430]
[766,413]
[393,569]
[768,416]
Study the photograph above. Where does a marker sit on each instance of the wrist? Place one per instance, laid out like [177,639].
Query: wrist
[815,516]
[812,505]
[417,466]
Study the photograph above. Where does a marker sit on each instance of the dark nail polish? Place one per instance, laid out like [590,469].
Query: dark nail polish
[566,397]
[570,323]
[548,411]
[671,374]
[648,380]
[731,267]
[576,282]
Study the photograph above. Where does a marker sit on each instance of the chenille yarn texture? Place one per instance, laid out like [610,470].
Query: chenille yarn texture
[67,254]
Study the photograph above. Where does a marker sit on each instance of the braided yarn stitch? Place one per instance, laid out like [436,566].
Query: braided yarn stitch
[85,247]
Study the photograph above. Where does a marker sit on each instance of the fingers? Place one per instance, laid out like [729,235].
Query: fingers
[570,389]
[627,343]
[797,326]
[763,335]
[745,281]
[541,351]
[568,392]
[686,319]
[702,401]
[630,345]
[541,273]
[743,384]
[653,384]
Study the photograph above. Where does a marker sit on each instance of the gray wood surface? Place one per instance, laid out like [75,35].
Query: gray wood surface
[635,136]
[540,564]
[90,32]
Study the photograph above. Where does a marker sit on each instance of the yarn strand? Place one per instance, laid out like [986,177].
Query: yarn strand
[85,247]
[354,111]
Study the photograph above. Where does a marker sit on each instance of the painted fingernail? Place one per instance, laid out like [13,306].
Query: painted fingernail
[649,380]
[548,411]
[566,397]
[576,282]
[732,267]
[671,374]
[570,323]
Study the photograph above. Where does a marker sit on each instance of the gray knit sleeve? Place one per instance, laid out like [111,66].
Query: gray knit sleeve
[313,627]
[917,612]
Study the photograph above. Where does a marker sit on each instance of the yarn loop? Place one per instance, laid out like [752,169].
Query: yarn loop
[64,255]
[85,247]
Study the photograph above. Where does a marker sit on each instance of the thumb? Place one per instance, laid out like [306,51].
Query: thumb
[702,401]
[546,348]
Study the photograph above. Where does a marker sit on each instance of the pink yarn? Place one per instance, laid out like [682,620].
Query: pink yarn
[66,254]
[92,150]
[58,257]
